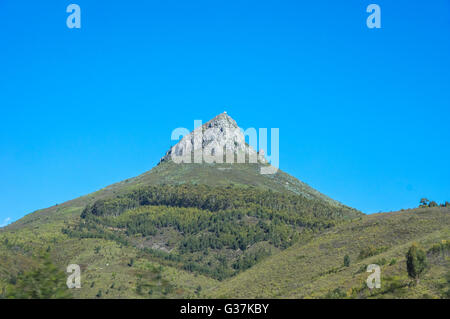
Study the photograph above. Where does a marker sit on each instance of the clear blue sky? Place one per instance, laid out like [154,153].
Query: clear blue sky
[364,114]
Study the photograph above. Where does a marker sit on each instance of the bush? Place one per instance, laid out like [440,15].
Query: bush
[371,251]
[346,261]
[416,262]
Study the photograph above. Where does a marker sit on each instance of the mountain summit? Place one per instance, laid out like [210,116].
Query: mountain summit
[216,138]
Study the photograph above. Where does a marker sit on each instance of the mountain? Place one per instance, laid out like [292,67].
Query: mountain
[221,135]
[209,229]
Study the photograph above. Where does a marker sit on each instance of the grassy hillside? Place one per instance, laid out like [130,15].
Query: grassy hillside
[105,259]
[314,269]
[189,231]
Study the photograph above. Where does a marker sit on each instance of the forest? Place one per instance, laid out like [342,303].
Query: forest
[216,231]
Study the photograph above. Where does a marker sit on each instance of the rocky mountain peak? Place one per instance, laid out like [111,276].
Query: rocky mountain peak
[220,135]
[223,120]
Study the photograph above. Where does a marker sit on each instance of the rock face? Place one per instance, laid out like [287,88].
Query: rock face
[219,140]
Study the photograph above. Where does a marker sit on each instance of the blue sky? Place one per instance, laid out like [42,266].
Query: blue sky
[363,113]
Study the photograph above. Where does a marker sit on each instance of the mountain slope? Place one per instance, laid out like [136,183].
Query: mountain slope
[191,219]
[168,172]
[314,268]
[311,268]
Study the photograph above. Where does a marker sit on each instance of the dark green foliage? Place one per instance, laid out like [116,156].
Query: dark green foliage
[347,261]
[427,203]
[219,199]
[44,282]
[371,251]
[209,222]
[249,259]
[416,261]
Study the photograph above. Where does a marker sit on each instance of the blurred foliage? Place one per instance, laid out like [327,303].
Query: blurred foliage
[44,282]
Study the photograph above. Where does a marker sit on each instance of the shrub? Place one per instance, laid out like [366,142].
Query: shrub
[371,251]
[346,261]
[416,262]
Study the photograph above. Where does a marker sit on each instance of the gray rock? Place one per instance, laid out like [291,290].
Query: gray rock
[220,137]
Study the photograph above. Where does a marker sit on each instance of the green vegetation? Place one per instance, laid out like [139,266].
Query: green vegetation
[346,261]
[427,203]
[293,208]
[370,251]
[313,267]
[446,286]
[44,282]
[206,231]
[216,231]
[416,261]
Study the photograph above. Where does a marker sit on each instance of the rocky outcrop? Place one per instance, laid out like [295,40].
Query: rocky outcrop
[218,140]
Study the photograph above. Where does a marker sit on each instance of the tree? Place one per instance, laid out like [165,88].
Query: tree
[44,282]
[346,261]
[432,204]
[424,202]
[416,262]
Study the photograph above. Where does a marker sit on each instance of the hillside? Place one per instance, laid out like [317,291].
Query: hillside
[72,234]
[314,268]
[219,230]
[311,268]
